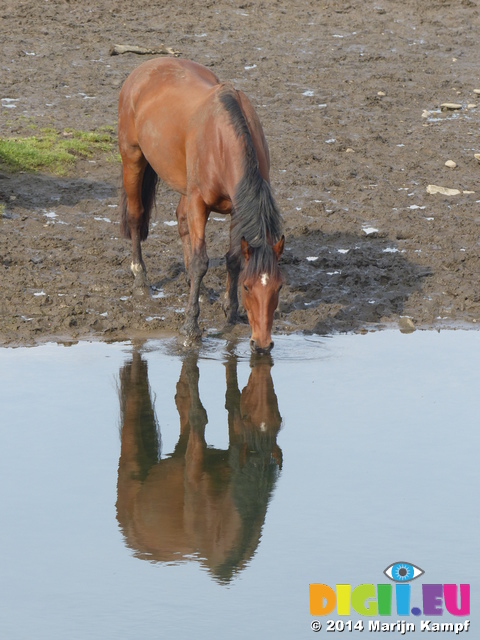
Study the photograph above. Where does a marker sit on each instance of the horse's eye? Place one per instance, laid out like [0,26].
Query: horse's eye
[245,287]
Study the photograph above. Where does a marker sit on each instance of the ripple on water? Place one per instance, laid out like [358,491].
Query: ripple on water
[292,348]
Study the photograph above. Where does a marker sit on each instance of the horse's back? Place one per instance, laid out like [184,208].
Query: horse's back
[169,74]
[163,91]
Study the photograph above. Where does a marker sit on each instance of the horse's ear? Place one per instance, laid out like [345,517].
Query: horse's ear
[246,249]
[278,248]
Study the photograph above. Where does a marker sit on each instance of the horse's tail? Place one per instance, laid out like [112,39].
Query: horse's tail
[149,187]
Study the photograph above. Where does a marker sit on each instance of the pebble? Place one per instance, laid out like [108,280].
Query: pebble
[477,156]
[381,93]
[406,325]
[450,164]
[444,191]
[451,106]
[471,106]
[349,150]
[477,91]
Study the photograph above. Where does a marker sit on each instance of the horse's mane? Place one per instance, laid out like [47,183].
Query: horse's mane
[256,216]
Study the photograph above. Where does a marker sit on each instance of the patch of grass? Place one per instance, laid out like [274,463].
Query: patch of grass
[56,152]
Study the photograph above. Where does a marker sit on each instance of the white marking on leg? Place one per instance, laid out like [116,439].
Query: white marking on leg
[264,279]
[136,268]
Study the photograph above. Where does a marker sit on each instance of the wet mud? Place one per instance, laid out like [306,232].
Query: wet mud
[349,94]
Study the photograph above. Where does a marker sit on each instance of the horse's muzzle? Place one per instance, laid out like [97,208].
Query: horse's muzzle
[260,350]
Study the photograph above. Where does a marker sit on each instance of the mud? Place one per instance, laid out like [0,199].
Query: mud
[349,95]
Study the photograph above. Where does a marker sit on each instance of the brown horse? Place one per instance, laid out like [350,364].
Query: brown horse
[198,503]
[178,122]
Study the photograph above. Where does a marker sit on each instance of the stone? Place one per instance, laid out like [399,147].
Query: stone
[444,191]
[450,164]
[406,324]
[450,106]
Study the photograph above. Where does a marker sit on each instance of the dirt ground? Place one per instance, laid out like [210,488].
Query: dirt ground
[349,93]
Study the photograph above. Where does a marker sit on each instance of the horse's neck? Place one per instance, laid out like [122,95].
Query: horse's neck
[232,168]
[234,147]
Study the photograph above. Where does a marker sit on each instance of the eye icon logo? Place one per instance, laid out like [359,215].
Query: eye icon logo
[403,572]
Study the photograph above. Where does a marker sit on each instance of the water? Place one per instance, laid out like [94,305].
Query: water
[350,453]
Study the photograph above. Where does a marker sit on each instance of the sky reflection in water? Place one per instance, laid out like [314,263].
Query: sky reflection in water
[150,494]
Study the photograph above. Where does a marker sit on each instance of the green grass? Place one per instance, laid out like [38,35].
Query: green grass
[56,152]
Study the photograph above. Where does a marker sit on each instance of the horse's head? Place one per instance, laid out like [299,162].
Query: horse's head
[261,282]
[258,400]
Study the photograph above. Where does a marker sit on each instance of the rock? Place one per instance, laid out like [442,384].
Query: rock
[450,164]
[381,93]
[450,106]
[349,150]
[477,91]
[477,156]
[444,191]
[406,324]
[426,114]
[471,106]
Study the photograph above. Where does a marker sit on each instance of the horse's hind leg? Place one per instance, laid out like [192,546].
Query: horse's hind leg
[134,214]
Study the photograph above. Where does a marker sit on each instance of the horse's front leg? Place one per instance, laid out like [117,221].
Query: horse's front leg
[230,306]
[183,232]
[197,216]
[187,398]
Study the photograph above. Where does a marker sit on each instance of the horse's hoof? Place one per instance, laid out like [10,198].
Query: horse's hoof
[191,342]
[141,292]
[140,287]
[191,331]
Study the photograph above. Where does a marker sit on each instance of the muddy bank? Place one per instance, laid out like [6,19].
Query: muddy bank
[350,98]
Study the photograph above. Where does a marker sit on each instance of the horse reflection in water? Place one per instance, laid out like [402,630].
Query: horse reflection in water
[199,502]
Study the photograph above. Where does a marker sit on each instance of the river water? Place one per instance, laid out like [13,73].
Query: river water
[152,492]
